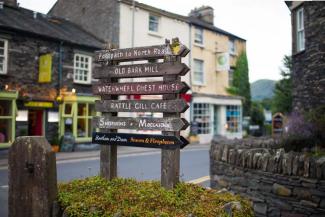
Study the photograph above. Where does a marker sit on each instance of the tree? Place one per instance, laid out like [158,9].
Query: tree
[282,99]
[257,114]
[241,85]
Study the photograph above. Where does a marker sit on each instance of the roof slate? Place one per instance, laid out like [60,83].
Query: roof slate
[57,29]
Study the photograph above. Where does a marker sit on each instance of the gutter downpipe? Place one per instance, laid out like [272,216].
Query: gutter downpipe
[190,74]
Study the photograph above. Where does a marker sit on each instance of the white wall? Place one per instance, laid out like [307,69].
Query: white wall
[168,28]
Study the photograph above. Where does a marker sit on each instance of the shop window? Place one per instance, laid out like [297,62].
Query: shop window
[233,116]
[76,118]
[201,115]
[3,56]
[7,121]
[85,115]
[82,69]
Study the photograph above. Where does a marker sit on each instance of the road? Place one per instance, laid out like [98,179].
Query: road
[141,166]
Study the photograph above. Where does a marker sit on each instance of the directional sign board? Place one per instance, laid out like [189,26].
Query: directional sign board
[139,140]
[141,70]
[162,124]
[141,53]
[169,106]
[145,88]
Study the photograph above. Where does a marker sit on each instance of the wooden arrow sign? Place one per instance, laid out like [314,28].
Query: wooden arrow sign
[140,53]
[178,105]
[141,70]
[144,88]
[162,124]
[139,140]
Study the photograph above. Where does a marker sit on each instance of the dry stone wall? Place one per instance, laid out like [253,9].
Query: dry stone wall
[278,183]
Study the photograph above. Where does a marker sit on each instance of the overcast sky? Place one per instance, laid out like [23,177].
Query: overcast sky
[265,24]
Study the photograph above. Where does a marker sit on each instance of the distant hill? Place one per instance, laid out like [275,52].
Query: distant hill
[262,89]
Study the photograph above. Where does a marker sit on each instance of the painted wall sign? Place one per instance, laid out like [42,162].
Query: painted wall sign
[177,105]
[45,68]
[163,124]
[145,88]
[141,70]
[139,140]
[39,104]
[140,53]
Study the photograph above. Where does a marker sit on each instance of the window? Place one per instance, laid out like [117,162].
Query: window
[84,118]
[232,47]
[230,77]
[300,30]
[76,118]
[201,115]
[233,116]
[8,113]
[198,36]
[3,56]
[198,72]
[153,23]
[82,69]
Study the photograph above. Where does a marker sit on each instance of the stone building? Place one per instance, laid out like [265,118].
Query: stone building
[126,25]
[45,76]
[308,54]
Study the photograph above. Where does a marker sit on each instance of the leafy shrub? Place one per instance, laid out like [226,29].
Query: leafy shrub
[127,197]
[298,133]
[317,117]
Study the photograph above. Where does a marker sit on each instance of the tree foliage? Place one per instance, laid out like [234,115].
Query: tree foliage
[257,114]
[282,100]
[241,85]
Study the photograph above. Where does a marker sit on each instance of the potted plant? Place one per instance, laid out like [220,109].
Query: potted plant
[55,143]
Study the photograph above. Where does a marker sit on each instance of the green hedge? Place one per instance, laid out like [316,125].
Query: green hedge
[127,197]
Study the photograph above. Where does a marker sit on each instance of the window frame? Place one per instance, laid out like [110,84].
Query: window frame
[231,72]
[5,57]
[232,47]
[300,30]
[203,110]
[195,72]
[156,22]
[234,125]
[198,36]
[75,68]
[12,97]
[89,101]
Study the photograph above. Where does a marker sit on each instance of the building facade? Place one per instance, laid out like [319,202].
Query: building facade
[308,54]
[130,24]
[214,54]
[45,76]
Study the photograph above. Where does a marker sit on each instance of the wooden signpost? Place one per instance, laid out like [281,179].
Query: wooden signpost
[141,70]
[140,140]
[170,106]
[166,124]
[145,88]
[170,142]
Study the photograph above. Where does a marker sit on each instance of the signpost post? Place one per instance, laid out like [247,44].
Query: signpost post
[170,142]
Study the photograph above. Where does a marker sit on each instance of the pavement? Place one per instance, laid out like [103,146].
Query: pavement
[121,150]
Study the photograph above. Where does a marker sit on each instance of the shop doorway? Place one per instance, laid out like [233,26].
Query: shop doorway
[35,122]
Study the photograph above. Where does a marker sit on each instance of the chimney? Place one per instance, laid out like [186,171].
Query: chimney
[204,13]
[12,3]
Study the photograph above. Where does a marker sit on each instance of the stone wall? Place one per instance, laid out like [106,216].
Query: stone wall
[308,65]
[278,183]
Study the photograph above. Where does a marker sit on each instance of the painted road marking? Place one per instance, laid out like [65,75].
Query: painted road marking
[199,180]
[4,186]
[119,156]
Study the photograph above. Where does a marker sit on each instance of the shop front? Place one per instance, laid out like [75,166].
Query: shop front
[76,113]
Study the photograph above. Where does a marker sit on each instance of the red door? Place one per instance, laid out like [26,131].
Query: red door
[35,122]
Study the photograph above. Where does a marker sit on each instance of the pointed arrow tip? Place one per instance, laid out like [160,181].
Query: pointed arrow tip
[184,141]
